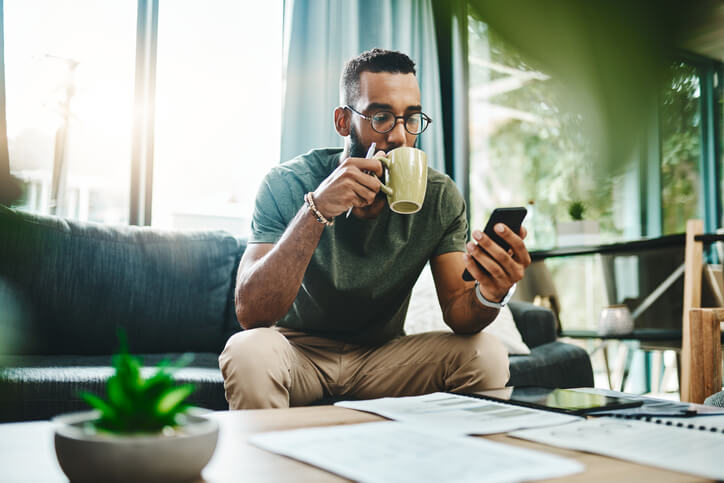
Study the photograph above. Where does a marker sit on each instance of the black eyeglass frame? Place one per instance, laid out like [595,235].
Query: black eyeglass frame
[425,117]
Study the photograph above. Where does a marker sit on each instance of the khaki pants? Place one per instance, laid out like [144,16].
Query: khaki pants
[278,368]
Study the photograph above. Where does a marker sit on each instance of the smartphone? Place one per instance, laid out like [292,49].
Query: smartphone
[512,218]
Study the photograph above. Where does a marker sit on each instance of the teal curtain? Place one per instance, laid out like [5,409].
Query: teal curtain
[321,35]
[9,186]
[451,25]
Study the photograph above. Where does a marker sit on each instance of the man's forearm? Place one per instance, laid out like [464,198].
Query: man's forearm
[466,315]
[266,289]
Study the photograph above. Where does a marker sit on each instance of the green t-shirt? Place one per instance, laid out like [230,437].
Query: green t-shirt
[358,283]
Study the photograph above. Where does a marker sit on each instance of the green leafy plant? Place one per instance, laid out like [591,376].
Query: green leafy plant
[576,210]
[135,404]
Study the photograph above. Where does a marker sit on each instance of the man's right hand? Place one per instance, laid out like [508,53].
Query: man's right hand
[349,186]
[270,275]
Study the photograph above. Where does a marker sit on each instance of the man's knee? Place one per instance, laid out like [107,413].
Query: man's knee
[254,364]
[485,359]
[494,358]
[254,348]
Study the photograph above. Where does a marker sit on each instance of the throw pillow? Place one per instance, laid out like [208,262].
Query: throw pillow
[424,315]
[171,290]
[504,328]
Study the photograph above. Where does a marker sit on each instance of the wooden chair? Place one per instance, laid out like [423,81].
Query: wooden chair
[701,357]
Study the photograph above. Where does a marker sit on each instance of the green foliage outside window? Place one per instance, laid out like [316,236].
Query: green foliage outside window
[547,146]
[526,149]
[542,150]
[680,148]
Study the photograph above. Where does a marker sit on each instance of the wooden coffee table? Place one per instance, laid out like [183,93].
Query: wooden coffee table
[27,454]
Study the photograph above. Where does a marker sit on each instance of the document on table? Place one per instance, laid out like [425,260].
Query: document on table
[457,414]
[397,452]
[678,449]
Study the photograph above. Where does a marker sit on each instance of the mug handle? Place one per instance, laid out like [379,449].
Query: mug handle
[386,164]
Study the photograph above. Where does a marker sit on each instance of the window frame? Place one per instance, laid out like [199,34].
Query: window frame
[144,110]
[710,199]
[711,141]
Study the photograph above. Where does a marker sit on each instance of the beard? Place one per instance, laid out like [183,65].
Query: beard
[356,148]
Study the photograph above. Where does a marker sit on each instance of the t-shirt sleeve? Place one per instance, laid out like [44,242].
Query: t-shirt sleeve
[455,222]
[268,222]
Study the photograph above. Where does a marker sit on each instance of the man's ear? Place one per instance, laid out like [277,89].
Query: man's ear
[342,121]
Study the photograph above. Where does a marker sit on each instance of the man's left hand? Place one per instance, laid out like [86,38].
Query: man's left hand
[502,268]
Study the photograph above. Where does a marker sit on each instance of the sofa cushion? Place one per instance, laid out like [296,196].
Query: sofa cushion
[555,364]
[536,324]
[172,291]
[40,387]
[716,399]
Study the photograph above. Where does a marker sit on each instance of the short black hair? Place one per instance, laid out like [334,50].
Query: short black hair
[375,60]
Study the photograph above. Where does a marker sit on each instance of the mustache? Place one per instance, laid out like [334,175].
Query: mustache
[359,149]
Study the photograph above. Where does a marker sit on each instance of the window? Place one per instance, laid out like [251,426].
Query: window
[718,77]
[527,151]
[218,111]
[524,149]
[69,90]
[70,74]
[680,148]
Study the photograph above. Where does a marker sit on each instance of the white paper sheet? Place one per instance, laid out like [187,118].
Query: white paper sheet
[456,414]
[679,449]
[397,452]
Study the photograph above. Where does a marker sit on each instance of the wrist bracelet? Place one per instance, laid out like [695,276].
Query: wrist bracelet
[317,214]
[494,305]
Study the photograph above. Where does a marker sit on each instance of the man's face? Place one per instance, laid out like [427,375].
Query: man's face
[383,91]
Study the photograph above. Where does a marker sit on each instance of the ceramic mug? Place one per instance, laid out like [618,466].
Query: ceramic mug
[405,179]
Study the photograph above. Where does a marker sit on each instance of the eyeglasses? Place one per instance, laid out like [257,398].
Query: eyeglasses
[385,121]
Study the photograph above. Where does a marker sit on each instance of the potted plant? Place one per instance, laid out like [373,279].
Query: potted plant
[143,431]
[576,210]
[577,231]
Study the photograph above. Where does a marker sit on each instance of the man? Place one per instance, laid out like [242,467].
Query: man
[323,296]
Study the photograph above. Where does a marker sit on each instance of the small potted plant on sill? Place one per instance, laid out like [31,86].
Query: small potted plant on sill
[576,210]
[143,431]
[577,231]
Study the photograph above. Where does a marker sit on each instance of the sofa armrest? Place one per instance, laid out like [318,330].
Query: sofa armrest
[536,324]
[555,364]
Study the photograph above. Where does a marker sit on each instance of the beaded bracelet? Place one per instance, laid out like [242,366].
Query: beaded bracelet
[319,216]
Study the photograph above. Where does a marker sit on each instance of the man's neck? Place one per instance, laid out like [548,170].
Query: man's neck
[345,154]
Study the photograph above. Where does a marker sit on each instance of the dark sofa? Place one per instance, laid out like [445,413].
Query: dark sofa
[66,286]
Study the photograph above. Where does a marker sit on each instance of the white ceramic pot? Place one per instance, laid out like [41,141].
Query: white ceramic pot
[578,232]
[615,320]
[177,455]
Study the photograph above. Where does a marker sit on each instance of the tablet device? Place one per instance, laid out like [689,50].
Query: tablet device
[569,401]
